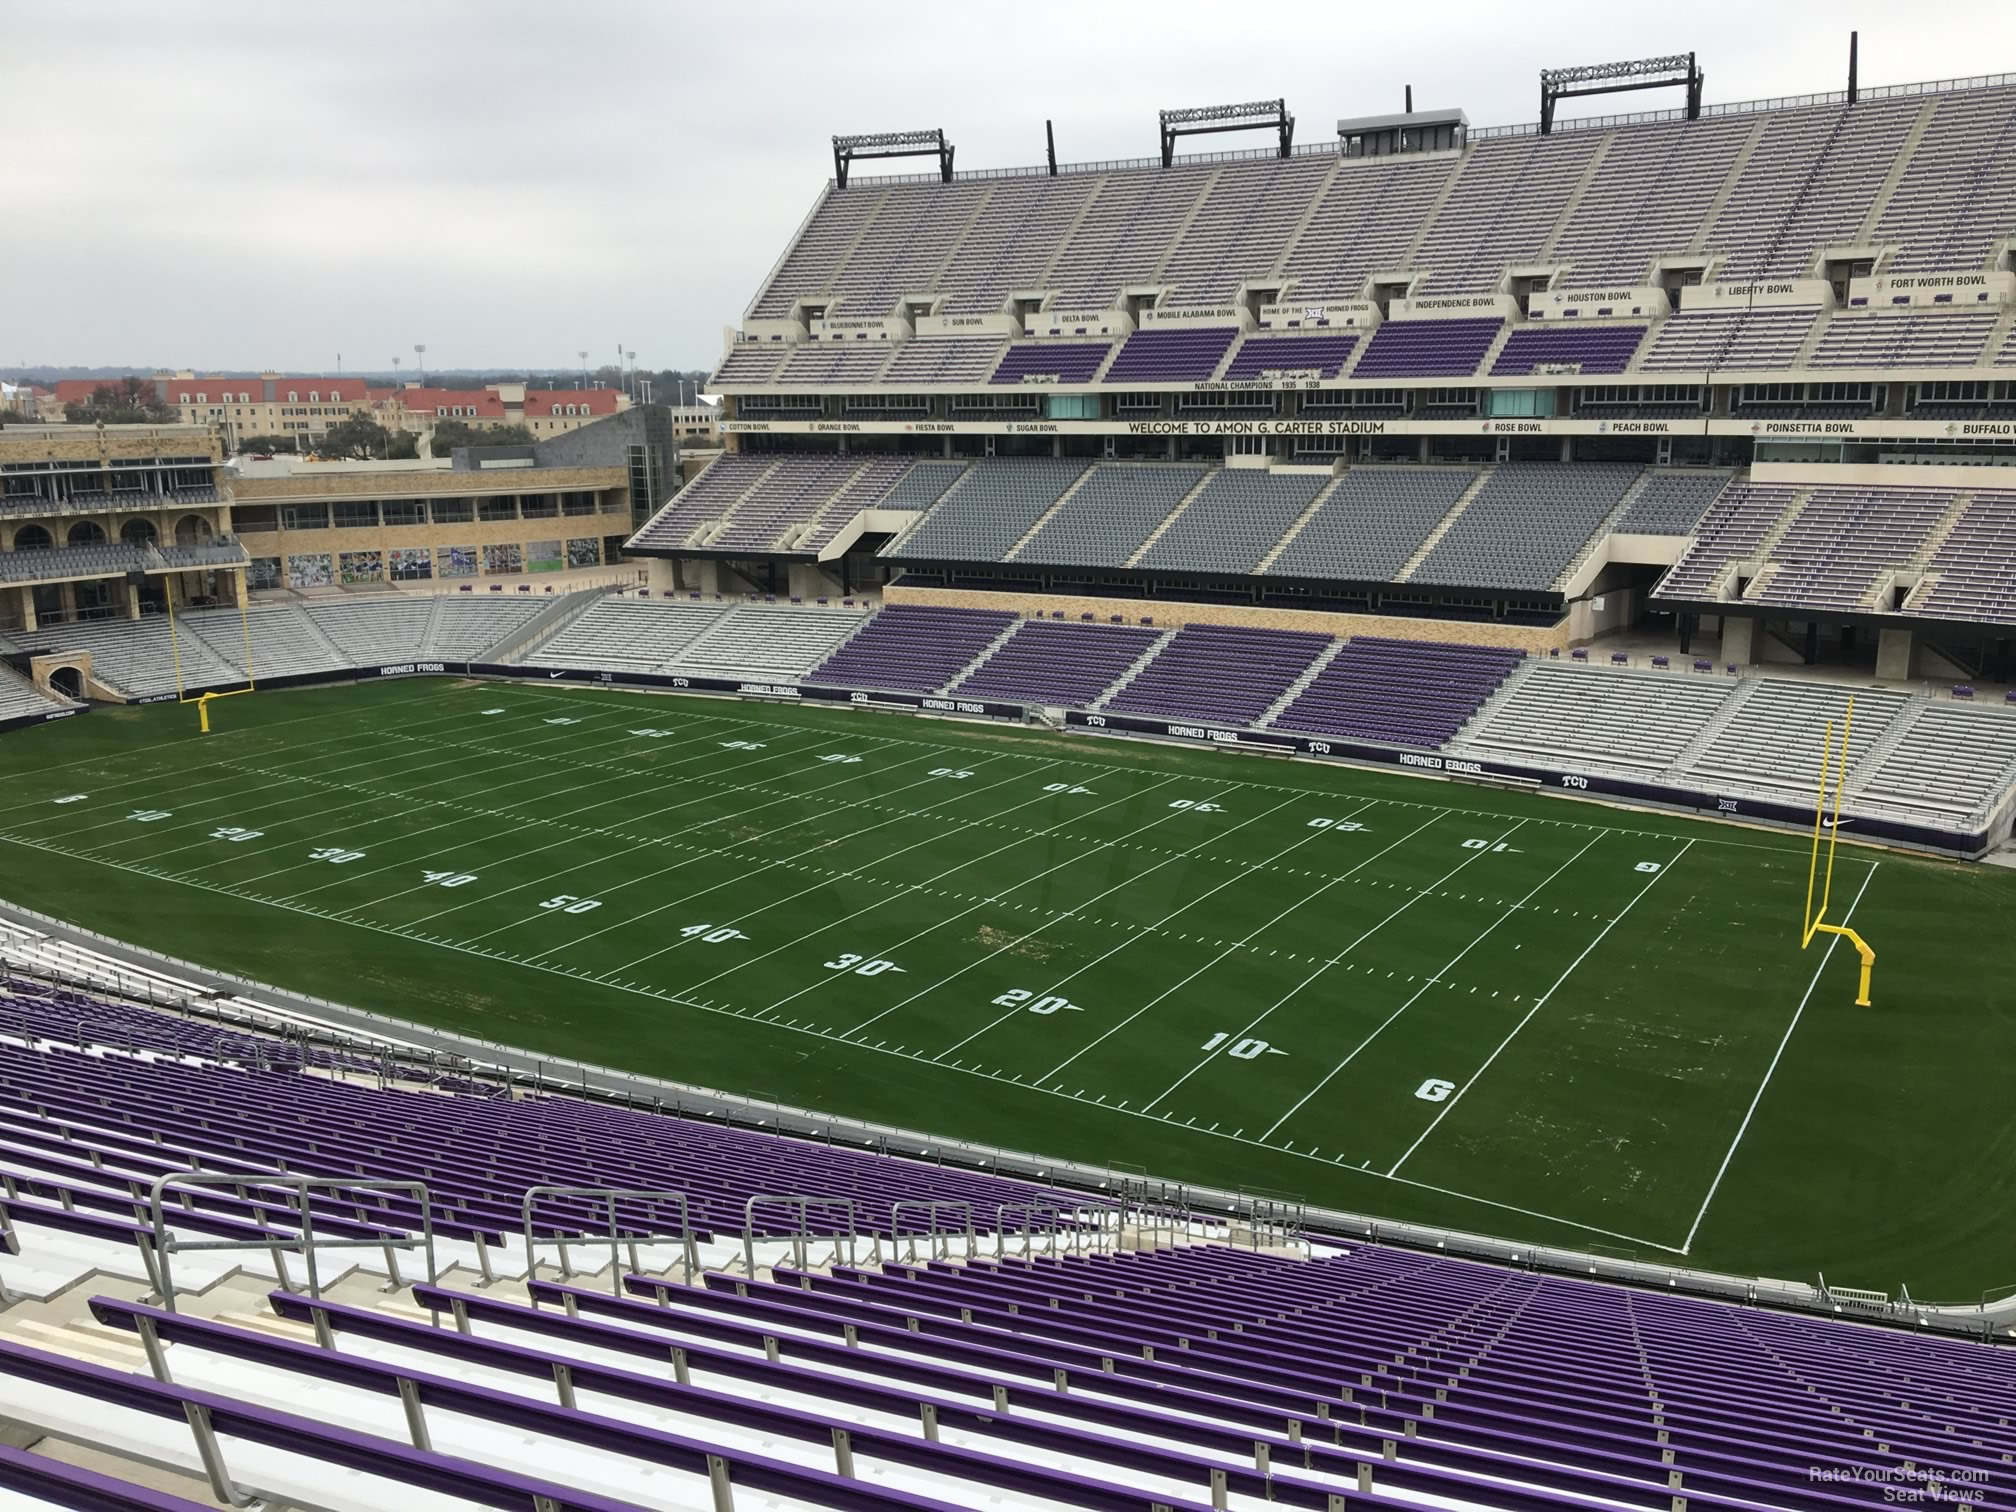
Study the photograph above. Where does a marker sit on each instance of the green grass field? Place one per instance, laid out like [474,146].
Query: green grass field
[1450,1004]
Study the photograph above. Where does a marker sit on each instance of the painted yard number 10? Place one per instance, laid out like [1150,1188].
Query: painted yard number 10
[1245,1049]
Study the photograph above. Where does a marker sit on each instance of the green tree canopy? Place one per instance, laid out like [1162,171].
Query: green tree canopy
[125,401]
[354,437]
[449,434]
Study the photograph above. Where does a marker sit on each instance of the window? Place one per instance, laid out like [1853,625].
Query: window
[183,400]
[578,502]
[202,398]
[405,512]
[540,507]
[355,515]
[503,507]
[304,516]
[454,511]
[314,397]
[293,397]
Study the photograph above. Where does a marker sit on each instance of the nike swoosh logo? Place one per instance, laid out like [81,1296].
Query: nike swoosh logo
[555,674]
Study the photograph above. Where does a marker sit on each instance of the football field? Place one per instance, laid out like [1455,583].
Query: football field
[1413,998]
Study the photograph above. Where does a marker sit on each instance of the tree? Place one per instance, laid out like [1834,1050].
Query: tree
[128,401]
[404,447]
[354,437]
[449,434]
[12,417]
[266,444]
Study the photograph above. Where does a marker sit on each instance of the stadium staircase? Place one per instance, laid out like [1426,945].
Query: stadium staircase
[1906,150]
[1914,567]
[321,637]
[1181,504]
[1725,577]
[1562,222]
[1295,689]
[1295,529]
[1711,731]
[706,530]
[1892,737]
[1737,165]
[1602,533]
[1446,523]
[1044,518]
[1169,247]
[795,535]
[1294,238]
[968,670]
[1133,668]
[1500,696]
[550,621]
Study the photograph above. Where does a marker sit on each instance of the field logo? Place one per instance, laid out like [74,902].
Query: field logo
[1435,1089]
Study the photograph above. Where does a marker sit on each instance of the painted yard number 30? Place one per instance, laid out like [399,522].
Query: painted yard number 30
[854,963]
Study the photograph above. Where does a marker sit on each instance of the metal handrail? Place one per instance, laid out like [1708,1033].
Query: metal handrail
[617,1242]
[930,1208]
[165,1245]
[801,1236]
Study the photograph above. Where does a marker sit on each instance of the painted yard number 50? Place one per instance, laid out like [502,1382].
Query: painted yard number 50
[568,903]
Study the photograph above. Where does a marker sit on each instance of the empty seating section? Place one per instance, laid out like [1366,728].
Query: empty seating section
[835,361]
[1601,204]
[134,656]
[1428,348]
[1171,354]
[1671,503]
[1240,229]
[1013,240]
[1508,196]
[1973,573]
[1886,339]
[1952,759]
[1526,525]
[771,642]
[903,248]
[1364,223]
[751,362]
[20,697]
[915,487]
[988,510]
[625,635]
[1733,529]
[865,490]
[466,629]
[375,630]
[789,495]
[1774,736]
[960,359]
[1842,539]
[1311,356]
[1125,234]
[1953,199]
[1063,361]
[52,562]
[1410,693]
[1570,347]
[1599,716]
[1233,521]
[284,642]
[1648,199]
[1810,183]
[1053,663]
[707,498]
[835,225]
[1226,674]
[1104,522]
[1696,341]
[1372,522]
[912,648]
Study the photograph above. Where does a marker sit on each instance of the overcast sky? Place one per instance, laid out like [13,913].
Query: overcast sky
[265,183]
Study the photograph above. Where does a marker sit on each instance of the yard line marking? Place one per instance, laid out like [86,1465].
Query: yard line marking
[463,807]
[1409,1003]
[820,815]
[1236,945]
[1139,934]
[1687,1245]
[1414,897]
[621,796]
[366,798]
[1791,848]
[181,791]
[1540,1002]
[220,735]
[920,886]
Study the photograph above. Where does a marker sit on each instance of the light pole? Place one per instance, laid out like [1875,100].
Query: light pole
[420,354]
[633,369]
[584,368]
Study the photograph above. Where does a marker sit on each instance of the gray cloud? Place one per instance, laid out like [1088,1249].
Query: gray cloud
[245,183]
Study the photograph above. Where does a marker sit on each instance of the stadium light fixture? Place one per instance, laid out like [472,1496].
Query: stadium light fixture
[891,144]
[1203,120]
[1674,70]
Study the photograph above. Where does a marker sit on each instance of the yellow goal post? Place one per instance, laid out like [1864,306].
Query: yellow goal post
[1834,766]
